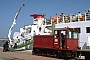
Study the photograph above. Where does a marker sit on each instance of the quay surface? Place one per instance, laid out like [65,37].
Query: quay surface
[24,55]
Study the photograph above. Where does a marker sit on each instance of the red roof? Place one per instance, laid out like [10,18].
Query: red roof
[38,15]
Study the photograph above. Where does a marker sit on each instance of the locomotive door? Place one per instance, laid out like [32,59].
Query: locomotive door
[62,39]
[56,38]
[59,40]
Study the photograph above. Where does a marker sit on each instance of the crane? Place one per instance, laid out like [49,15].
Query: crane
[14,22]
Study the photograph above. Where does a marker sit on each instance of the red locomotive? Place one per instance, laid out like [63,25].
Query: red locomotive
[61,44]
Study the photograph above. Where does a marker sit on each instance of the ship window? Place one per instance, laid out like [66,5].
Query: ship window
[79,30]
[87,29]
[40,29]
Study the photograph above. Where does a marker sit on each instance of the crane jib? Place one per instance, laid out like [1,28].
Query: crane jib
[14,22]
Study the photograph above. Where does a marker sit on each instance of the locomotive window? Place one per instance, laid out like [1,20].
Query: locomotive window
[69,34]
[56,34]
[74,34]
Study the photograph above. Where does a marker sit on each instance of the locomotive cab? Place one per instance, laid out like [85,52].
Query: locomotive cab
[63,42]
[66,38]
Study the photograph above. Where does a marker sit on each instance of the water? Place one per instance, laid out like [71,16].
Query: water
[1,44]
[1,59]
[11,59]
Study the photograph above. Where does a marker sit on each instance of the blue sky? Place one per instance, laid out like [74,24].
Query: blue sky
[8,9]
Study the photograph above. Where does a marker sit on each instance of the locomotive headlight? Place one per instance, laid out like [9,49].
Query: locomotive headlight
[68,47]
[56,40]
[61,47]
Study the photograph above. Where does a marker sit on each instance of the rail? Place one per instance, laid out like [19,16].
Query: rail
[69,18]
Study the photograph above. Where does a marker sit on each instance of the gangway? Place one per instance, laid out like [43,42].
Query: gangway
[21,45]
[24,44]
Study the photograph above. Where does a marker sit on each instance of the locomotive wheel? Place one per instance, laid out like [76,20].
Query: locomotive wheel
[58,54]
[33,53]
[54,53]
[73,54]
[68,54]
[42,54]
[63,54]
[37,50]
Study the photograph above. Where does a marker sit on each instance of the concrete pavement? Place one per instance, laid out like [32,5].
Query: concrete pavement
[24,55]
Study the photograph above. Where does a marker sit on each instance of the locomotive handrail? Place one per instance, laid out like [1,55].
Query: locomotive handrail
[81,42]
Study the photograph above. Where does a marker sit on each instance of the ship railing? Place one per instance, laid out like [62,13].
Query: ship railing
[70,18]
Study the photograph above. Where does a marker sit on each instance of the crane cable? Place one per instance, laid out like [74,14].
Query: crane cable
[63,6]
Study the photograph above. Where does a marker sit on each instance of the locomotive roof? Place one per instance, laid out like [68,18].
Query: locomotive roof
[66,28]
[60,29]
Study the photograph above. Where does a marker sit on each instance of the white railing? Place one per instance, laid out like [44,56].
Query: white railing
[68,19]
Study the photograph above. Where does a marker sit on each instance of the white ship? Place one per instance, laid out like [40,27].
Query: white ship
[42,26]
